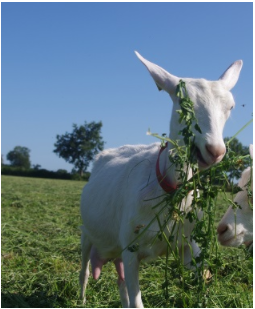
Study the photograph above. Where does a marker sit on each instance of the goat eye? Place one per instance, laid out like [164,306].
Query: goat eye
[231,107]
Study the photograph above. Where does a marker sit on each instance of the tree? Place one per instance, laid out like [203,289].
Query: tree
[19,157]
[237,149]
[81,145]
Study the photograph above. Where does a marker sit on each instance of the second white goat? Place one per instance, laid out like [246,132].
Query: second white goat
[236,226]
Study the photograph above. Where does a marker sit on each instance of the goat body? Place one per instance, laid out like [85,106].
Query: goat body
[123,188]
[127,200]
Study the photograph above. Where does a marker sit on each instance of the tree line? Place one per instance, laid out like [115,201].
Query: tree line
[79,148]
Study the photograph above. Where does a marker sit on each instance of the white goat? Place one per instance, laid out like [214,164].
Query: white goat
[236,226]
[124,186]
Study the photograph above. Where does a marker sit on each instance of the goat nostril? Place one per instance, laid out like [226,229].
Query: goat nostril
[222,228]
[216,151]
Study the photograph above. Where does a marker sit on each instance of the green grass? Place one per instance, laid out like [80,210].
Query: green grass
[41,257]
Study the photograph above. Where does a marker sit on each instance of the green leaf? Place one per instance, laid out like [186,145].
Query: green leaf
[197,127]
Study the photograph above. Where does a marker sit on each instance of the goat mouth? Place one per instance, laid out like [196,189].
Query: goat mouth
[233,241]
[201,161]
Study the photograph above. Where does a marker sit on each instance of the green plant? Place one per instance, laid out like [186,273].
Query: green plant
[207,182]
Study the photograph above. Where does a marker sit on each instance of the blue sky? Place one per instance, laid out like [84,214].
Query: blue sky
[65,63]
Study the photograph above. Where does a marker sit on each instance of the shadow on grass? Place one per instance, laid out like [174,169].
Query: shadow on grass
[42,300]
[35,300]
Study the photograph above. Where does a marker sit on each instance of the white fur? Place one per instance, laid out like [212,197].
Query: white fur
[123,187]
[236,226]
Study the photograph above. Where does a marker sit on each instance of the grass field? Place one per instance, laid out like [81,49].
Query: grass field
[41,257]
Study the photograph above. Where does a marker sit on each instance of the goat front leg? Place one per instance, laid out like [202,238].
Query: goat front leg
[192,251]
[131,268]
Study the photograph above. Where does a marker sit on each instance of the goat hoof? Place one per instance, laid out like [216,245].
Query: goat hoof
[207,275]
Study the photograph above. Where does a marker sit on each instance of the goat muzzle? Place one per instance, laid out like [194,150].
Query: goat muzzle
[216,152]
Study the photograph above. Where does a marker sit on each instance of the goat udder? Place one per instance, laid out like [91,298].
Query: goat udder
[96,263]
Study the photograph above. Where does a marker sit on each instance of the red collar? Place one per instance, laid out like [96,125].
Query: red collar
[165,185]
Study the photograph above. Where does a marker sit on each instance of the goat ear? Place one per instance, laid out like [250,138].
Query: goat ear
[162,78]
[251,151]
[231,75]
